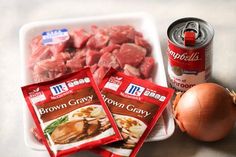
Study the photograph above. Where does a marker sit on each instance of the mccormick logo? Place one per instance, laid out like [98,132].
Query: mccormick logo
[134,90]
[59,88]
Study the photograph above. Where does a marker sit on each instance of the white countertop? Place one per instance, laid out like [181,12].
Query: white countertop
[14,13]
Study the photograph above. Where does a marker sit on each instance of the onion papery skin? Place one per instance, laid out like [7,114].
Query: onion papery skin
[206,112]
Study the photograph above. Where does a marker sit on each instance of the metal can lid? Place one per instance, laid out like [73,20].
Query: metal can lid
[190,32]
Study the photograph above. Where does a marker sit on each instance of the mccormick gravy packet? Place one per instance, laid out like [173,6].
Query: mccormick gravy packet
[136,106]
[70,113]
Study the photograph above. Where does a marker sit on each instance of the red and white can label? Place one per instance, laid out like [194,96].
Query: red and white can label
[188,67]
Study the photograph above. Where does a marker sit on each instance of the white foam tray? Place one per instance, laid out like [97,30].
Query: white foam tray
[141,21]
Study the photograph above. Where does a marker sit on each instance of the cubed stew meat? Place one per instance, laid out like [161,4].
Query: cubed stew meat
[120,47]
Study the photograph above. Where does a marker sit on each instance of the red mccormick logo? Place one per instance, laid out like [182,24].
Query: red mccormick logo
[192,57]
[59,88]
[134,90]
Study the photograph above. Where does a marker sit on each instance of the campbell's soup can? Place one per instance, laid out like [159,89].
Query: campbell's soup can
[189,53]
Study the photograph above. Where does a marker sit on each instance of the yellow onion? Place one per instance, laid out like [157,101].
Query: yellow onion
[206,112]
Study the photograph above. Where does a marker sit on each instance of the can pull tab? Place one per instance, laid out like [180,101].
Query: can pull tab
[190,33]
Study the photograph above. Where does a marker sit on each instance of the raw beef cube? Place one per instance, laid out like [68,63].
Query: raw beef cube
[99,74]
[92,57]
[147,66]
[78,61]
[52,64]
[36,43]
[110,48]
[131,71]
[121,34]
[130,54]
[63,56]
[114,52]
[142,42]
[98,40]
[44,52]
[95,29]
[79,37]
[74,64]
[108,60]
[48,69]
[81,52]
[57,48]
[41,53]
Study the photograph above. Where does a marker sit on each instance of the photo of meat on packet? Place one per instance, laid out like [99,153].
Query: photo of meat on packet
[136,106]
[70,114]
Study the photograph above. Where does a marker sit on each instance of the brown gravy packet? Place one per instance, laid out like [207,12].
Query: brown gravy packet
[136,106]
[70,114]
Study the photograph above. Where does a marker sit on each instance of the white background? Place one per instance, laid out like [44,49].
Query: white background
[14,13]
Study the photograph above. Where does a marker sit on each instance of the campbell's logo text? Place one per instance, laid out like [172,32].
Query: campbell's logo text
[193,57]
